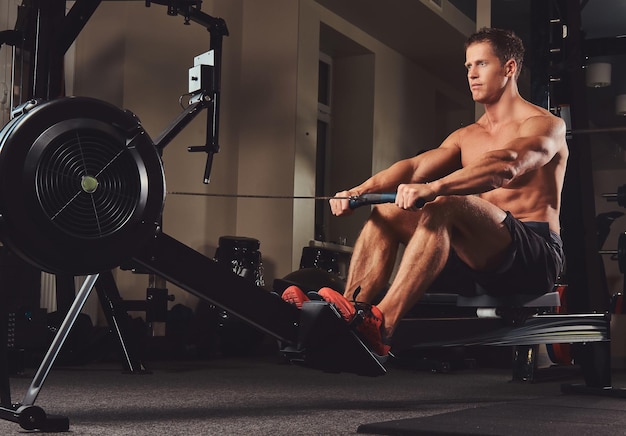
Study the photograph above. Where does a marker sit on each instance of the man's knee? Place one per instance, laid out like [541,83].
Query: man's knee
[401,224]
[442,211]
[448,202]
[392,222]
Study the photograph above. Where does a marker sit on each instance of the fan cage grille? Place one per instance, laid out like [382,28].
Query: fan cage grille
[100,209]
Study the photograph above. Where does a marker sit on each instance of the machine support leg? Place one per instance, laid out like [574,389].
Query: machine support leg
[5,385]
[118,321]
[595,359]
[524,362]
[59,339]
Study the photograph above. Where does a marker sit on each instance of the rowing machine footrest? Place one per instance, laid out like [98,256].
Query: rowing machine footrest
[327,342]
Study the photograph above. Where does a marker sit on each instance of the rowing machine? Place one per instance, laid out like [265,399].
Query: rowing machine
[87,196]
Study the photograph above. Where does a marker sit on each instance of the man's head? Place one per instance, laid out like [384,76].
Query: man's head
[504,43]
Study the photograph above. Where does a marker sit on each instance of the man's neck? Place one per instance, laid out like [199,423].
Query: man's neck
[503,110]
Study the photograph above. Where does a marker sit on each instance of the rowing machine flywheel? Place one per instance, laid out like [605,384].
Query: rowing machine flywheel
[81,185]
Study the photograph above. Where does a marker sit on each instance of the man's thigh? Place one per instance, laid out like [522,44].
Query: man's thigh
[478,233]
[531,265]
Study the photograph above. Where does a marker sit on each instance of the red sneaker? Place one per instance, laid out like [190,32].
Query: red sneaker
[369,322]
[294,295]
[345,307]
[370,326]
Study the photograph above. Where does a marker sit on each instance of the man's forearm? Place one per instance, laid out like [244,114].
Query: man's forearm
[484,175]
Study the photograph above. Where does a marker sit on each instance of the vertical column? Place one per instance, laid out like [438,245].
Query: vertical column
[584,274]
[483,19]
[48,60]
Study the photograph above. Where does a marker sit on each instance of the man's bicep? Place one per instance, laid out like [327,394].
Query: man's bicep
[546,134]
[539,141]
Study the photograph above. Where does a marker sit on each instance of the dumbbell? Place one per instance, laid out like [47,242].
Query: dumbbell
[619,196]
[620,253]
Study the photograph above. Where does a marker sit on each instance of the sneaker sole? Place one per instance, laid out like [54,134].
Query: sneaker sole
[345,308]
[294,295]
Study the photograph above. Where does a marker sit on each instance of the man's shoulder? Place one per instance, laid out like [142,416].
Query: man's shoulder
[470,128]
[471,132]
[540,118]
[531,110]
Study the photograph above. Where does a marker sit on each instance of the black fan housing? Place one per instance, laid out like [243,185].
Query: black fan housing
[81,185]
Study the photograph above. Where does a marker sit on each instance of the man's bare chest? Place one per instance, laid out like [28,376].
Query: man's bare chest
[477,143]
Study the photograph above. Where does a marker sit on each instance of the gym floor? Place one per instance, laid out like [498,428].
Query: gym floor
[265,395]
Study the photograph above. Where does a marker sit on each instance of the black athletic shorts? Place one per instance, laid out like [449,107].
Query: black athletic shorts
[533,263]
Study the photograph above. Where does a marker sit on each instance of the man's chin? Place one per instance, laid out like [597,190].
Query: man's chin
[478,98]
[481,99]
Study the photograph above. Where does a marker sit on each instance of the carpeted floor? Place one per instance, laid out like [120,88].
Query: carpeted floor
[264,396]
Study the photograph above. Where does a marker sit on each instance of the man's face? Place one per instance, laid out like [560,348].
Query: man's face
[485,75]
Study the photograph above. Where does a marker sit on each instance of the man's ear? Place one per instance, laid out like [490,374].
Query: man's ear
[510,67]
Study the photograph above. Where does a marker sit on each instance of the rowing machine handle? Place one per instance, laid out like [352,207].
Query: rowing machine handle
[385,197]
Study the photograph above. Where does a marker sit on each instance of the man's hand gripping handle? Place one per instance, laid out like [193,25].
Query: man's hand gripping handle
[385,197]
